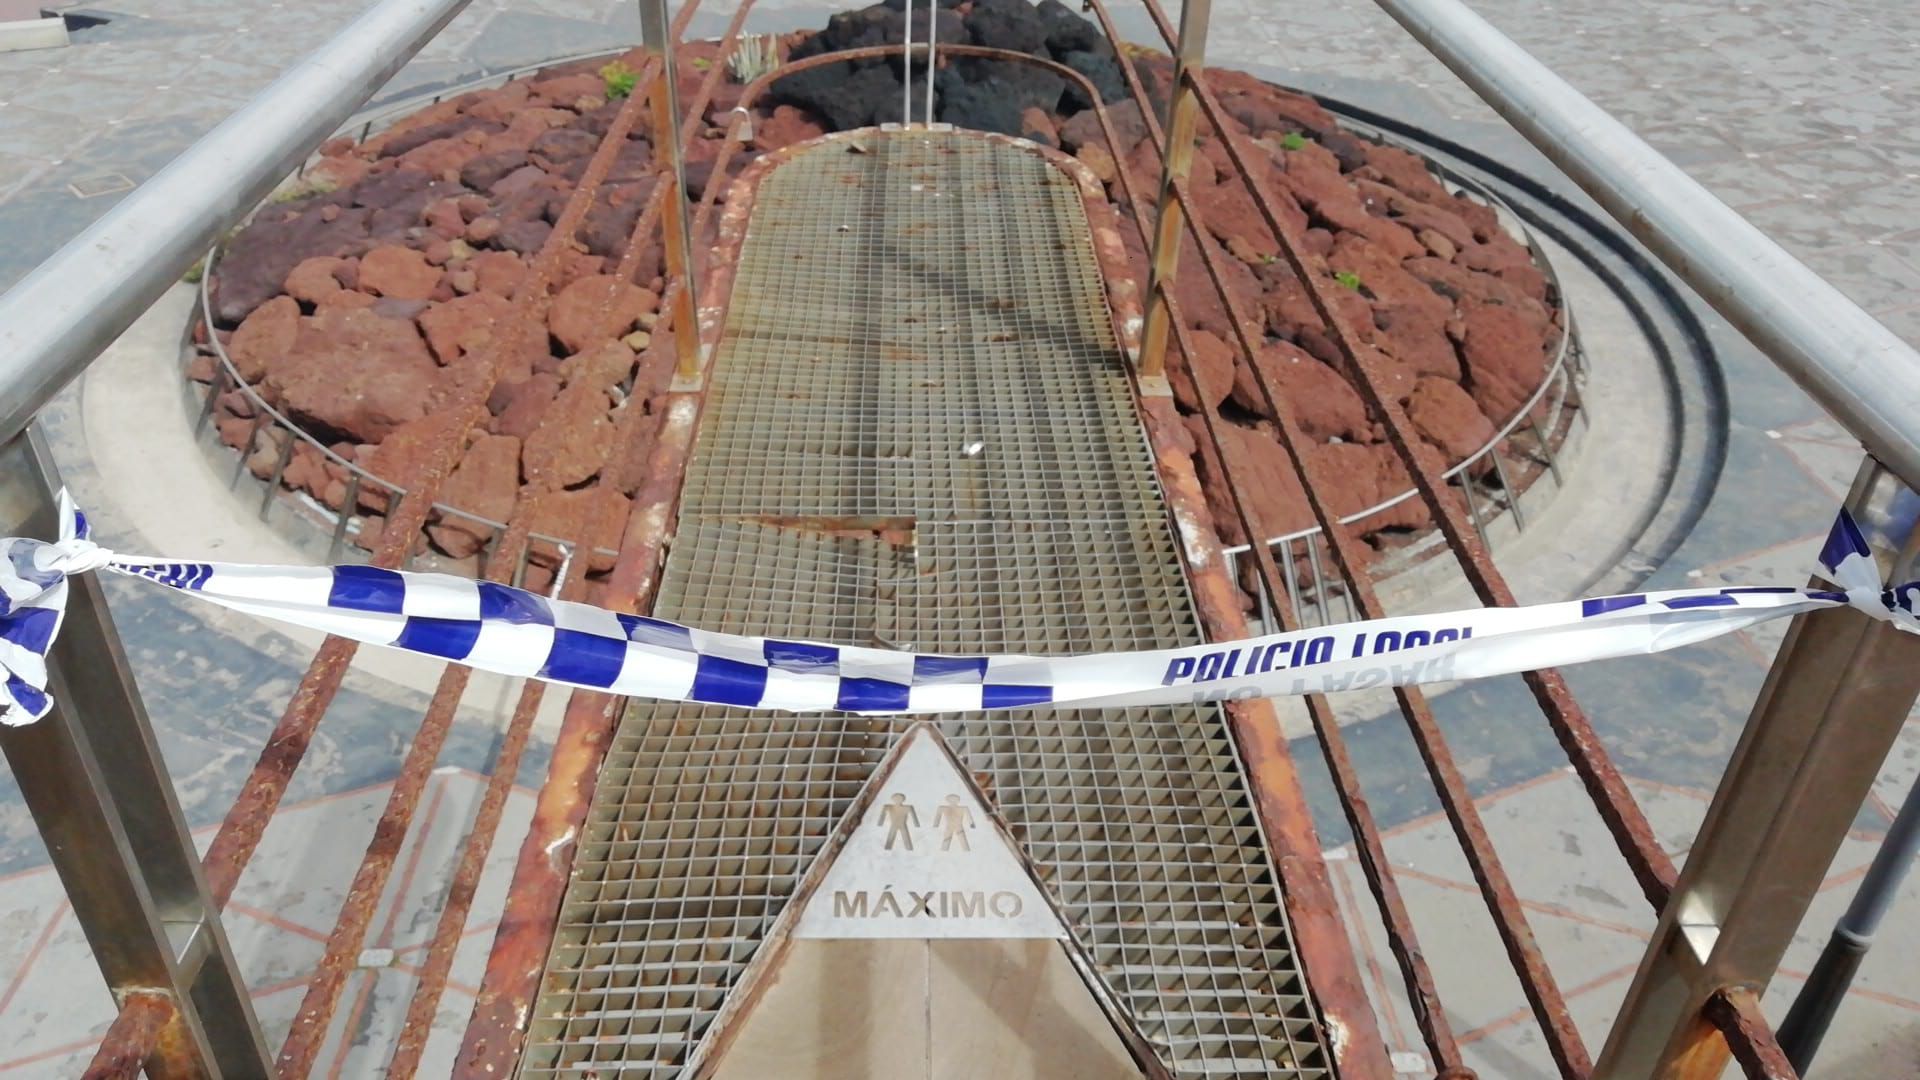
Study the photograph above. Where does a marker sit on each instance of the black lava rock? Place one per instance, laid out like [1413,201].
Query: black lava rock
[841,98]
[1007,24]
[1104,72]
[1068,32]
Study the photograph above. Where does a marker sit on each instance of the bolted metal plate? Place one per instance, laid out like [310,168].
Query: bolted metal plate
[920,434]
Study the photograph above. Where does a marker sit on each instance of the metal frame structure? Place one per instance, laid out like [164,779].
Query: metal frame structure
[1836,695]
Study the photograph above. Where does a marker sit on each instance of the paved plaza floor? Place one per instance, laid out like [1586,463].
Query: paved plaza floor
[1798,114]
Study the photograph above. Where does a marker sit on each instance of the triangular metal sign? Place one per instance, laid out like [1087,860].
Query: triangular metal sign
[926,860]
[922,891]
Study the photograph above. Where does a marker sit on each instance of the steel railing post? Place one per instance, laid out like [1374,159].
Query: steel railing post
[1183,111]
[1820,996]
[676,222]
[1838,693]
[98,790]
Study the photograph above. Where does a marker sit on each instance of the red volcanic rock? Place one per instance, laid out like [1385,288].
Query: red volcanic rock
[267,335]
[498,272]
[1129,127]
[572,440]
[1447,417]
[1381,277]
[1213,365]
[596,308]
[1417,337]
[1234,220]
[1037,125]
[353,372]
[485,483]
[1323,404]
[344,300]
[1099,162]
[784,127]
[404,454]
[398,272]
[1260,471]
[593,517]
[565,90]
[525,237]
[521,405]
[461,325]
[500,103]
[1468,289]
[315,279]
[1506,357]
[1356,477]
[1405,171]
[602,368]
[444,158]
[526,126]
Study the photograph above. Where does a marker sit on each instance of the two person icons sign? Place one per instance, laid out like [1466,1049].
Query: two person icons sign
[953,818]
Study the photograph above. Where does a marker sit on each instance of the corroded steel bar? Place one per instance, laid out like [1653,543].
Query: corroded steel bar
[1736,1012]
[1456,798]
[246,821]
[1402,939]
[1537,982]
[1615,804]
[135,1040]
[315,1013]
[311,1021]
[1226,622]
[498,1023]
[632,435]
[1176,157]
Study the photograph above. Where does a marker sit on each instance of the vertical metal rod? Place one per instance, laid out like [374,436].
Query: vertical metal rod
[1320,601]
[1835,699]
[214,390]
[1546,451]
[906,67]
[1506,485]
[279,473]
[1292,582]
[1827,984]
[253,436]
[348,504]
[1170,219]
[677,222]
[933,45]
[93,779]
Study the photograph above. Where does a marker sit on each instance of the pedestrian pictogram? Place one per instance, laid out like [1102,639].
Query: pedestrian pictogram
[895,816]
[953,820]
[924,859]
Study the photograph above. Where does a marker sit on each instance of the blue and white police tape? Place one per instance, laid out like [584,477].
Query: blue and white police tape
[500,629]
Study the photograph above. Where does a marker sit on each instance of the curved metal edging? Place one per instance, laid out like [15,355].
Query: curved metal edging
[359,476]
[1561,375]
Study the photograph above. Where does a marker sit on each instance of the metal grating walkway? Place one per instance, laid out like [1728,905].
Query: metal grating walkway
[918,352]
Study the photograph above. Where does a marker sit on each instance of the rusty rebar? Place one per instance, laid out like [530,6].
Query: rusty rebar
[1510,920]
[1615,804]
[1736,1012]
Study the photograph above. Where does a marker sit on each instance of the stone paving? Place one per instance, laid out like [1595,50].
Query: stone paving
[1797,114]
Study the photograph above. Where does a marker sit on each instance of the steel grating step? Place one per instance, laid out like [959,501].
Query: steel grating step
[918,332]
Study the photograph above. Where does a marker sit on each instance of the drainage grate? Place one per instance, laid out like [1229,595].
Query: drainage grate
[920,435]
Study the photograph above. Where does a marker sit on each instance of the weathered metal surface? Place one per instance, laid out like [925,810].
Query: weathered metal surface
[1736,1013]
[136,1041]
[977,321]
[1612,800]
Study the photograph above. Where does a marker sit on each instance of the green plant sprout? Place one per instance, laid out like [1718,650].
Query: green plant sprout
[1348,278]
[620,79]
[1293,140]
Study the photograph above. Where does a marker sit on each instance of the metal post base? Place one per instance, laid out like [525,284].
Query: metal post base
[99,792]
[1837,696]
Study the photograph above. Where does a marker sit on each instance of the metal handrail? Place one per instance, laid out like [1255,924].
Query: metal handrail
[58,319]
[1857,369]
